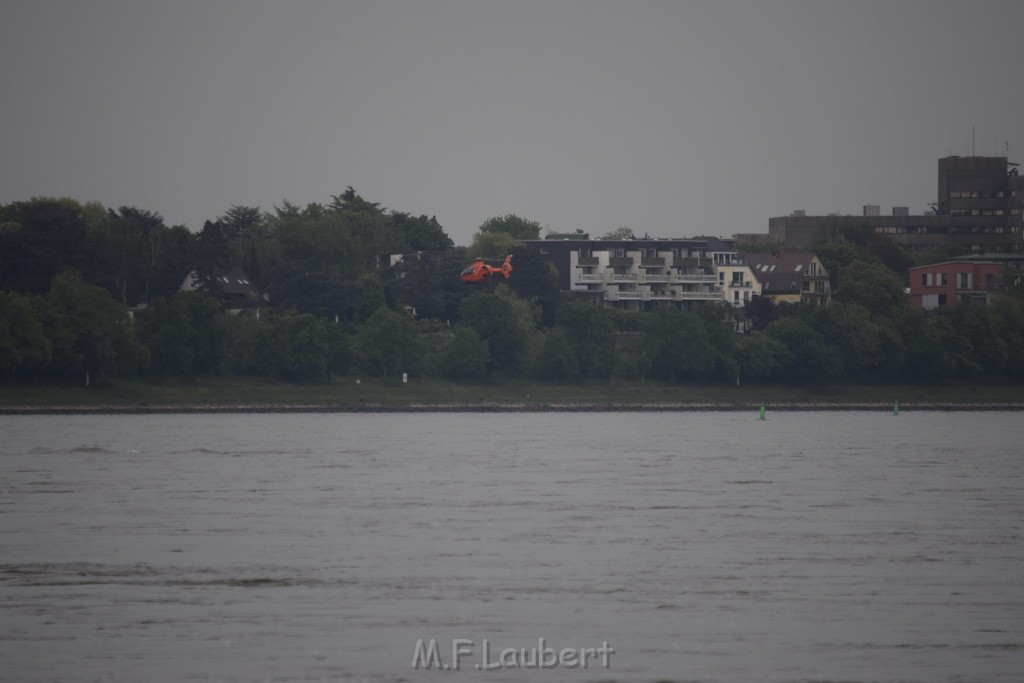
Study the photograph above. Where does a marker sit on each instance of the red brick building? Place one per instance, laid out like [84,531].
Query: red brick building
[954,282]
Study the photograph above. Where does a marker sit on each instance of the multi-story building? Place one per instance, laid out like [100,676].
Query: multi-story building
[638,273]
[738,281]
[791,277]
[968,280]
[980,203]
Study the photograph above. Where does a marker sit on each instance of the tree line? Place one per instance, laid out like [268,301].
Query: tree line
[331,304]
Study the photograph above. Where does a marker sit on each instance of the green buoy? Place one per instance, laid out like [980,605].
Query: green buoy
[895,407]
[762,412]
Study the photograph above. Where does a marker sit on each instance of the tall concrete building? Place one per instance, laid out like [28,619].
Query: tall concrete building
[980,202]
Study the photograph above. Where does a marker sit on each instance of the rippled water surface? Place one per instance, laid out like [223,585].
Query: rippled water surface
[700,546]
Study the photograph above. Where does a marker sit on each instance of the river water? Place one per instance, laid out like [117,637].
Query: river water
[841,546]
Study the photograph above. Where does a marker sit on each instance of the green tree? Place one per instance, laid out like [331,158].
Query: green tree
[41,238]
[418,233]
[677,344]
[429,283]
[718,325]
[811,358]
[24,346]
[318,257]
[590,331]
[984,329]
[838,254]
[295,347]
[851,329]
[185,334]
[90,331]
[493,245]
[498,322]
[339,350]
[557,359]
[243,352]
[368,222]
[465,355]
[389,343]
[240,222]
[891,253]
[761,356]
[761,311]
[212,250]
[1008,313]
[535,279]
[620,233]
[513,226]
[370,295]
[136,257]
[873,286]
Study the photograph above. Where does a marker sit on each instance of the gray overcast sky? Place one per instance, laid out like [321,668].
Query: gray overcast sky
[673,118]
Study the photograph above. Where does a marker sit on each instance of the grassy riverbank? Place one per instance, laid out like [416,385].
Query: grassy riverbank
[370,394]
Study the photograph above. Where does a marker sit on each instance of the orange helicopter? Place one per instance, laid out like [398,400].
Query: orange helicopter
[480,270]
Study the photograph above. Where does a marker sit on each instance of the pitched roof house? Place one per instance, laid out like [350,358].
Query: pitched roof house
[234,290]
[791,276]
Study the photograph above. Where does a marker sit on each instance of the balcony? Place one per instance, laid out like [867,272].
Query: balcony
[694,278]
[620,261]
[652,261]
[586,261]
[700,296]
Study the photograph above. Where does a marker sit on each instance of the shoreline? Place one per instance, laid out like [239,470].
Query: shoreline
[502,407]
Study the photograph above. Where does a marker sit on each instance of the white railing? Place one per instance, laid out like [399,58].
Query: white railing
[702,296]
[695,279]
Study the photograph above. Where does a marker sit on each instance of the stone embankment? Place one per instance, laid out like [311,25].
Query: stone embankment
[493,407]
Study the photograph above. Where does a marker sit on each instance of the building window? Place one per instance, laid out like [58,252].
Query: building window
[924,279]
[942,280]
[965,280]
[990,281]
[942,299]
